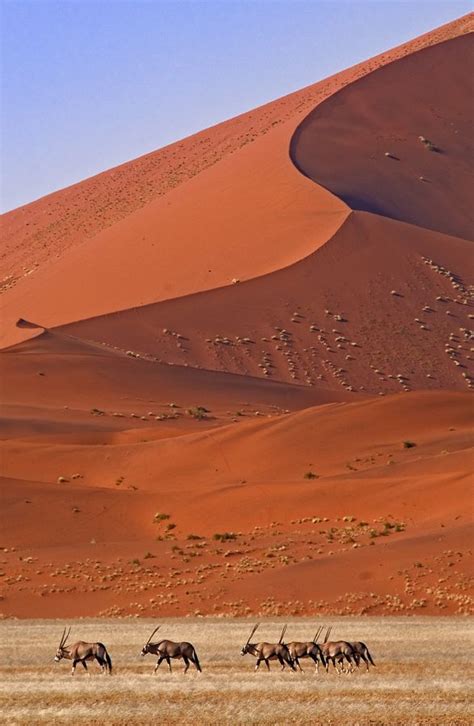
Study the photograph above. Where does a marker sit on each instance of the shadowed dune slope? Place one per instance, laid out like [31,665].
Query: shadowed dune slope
[416,109]
[64,379]
[328,321]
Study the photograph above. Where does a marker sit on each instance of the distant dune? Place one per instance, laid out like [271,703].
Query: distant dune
[238,369]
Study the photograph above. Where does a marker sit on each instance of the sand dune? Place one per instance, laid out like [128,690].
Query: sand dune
[330,320]
[237,370]
[234,183]
[310,494]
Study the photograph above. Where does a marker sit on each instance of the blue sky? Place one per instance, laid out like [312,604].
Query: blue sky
[88,84]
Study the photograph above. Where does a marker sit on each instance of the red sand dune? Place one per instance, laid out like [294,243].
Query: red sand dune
[277,270]
[365,509]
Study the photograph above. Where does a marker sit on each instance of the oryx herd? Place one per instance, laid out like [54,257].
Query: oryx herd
[344,656]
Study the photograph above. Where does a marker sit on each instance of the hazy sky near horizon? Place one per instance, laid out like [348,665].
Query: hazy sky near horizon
[89,84]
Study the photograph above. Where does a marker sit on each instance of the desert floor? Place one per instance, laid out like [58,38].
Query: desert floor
[421,675]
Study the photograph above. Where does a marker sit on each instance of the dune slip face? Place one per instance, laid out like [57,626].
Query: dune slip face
[238,370]
[398,142]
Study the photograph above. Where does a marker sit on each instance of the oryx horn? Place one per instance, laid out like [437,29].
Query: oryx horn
[253,631]
[283,633]
[64,637]
[151,636]
[318,633]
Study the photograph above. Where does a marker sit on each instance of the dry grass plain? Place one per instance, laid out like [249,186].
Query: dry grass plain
[422,675]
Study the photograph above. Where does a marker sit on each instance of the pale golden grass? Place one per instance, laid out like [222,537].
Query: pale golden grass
[422,675]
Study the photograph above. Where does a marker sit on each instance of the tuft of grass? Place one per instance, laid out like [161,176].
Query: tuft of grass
[97,412]
[428,144]
[198,412]
[409,444]
[194,537]
[310,475]
[224,536]
[160,517]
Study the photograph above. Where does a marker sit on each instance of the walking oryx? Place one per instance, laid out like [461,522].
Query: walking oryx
[167,649]
[81,652]
[361,652]
[308,649]
[338,651]
[269,651]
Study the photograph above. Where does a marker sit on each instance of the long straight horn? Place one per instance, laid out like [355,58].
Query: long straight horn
[328,633]
[67,636]
[283,633]
[253,631]
[61,640]
[318,633]
[151,636]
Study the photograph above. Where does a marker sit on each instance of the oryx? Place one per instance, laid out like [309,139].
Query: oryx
[361,652]
[167,649]
[269,651]
[309,649]
[336,652]
[81,652]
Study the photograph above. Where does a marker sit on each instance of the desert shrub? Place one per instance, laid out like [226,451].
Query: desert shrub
[310,475]
[408,444]
[428,144]
[224,536]
[198,412]
[160,517]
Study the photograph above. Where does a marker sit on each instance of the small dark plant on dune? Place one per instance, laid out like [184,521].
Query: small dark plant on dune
[224,536]
[198,412]
[429,144]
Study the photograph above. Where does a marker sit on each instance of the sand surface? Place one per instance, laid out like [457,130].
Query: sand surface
[237,372]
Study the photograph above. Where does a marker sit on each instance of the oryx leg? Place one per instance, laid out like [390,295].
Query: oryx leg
[257,665]
[186,663]
[351,664]
[282,662]
[298,664]
[267,663]
[158,662]
[85,667]
[168,660]
[74,664]
[365,661]
[316,662]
